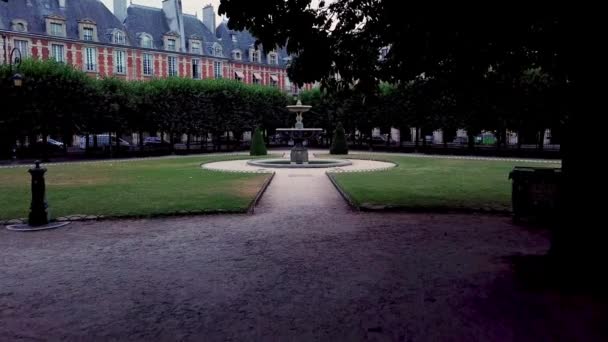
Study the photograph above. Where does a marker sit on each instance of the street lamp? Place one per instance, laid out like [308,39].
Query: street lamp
[17,78]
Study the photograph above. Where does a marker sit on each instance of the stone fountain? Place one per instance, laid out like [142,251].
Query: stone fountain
[299,153]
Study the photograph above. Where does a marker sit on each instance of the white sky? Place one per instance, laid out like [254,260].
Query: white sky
[189,6]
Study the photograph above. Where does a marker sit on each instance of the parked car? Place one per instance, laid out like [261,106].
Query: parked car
[380,140]
[52,146]
[461,140]
[154,141]
[103,141]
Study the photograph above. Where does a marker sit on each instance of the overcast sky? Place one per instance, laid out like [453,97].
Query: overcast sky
[189,6]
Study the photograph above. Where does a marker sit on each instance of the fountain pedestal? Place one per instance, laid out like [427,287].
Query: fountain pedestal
[299,155]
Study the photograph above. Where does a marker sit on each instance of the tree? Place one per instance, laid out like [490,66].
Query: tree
[258,148]
[339,145]
[458,47]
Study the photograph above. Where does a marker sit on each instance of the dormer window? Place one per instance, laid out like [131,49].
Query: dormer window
[87,33]
[171,41]
[273,58]
[87,29]
[171,44]
[233,37]
[195,47]
[119,38]
[57,29]
[217,50]
[236,55]
[19,25]
[254,56]
[55,26]
[146,41]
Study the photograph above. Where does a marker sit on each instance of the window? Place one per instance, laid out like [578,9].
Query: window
[146,42]
[239,76]
[217,69]
[56,29]
[171,44]
[233,37]
[147,63]
[256,78]
[87,33]
[217,50]
[19,27]
[90,61]
[172,63]
[274,81]
[272,59]
[119,38]
[195,47]
[57,53]
[255,56]
[119,62]
[22,46]
[196,69]
[236,55]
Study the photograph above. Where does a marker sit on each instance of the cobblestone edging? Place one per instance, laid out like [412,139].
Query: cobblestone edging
[260,193]
[125,160]
[80,218]
[418,155]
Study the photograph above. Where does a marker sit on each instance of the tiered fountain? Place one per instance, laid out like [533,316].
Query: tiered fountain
[299,153]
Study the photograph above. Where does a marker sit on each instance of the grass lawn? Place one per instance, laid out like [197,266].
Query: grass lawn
[131,188]
[434,183]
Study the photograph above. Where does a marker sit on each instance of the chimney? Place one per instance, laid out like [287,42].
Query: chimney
[62,3]
[120,10]
[175,19]
[209,18]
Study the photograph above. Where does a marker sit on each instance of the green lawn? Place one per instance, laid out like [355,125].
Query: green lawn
[434,183]
[132,188]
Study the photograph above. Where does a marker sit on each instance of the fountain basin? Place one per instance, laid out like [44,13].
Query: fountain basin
[287,164]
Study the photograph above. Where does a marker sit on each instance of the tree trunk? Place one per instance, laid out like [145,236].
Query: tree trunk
[498,139]
[519,139]
[45,149]
[188,142]
[172,142]
[117,143]
[471,142]
[110,147]
[541,139]
[140,138]
[87,139]
[417,139]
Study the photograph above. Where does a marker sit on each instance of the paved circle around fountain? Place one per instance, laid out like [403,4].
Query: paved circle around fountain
[357,165]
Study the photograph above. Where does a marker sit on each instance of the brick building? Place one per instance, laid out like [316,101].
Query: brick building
[138,42]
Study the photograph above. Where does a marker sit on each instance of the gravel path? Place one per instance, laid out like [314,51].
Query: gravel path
[320,272]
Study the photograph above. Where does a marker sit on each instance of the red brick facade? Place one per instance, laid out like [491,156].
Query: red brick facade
[41,47]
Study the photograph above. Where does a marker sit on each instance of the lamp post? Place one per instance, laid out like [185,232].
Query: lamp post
[17,78]
[14,57]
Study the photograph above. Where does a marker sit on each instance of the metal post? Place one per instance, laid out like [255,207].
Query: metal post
[38,208]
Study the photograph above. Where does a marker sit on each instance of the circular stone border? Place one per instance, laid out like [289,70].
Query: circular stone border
[27,228]
[327,164]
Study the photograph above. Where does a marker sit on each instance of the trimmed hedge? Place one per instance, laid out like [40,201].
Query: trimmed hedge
[258,148]
[339,144]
